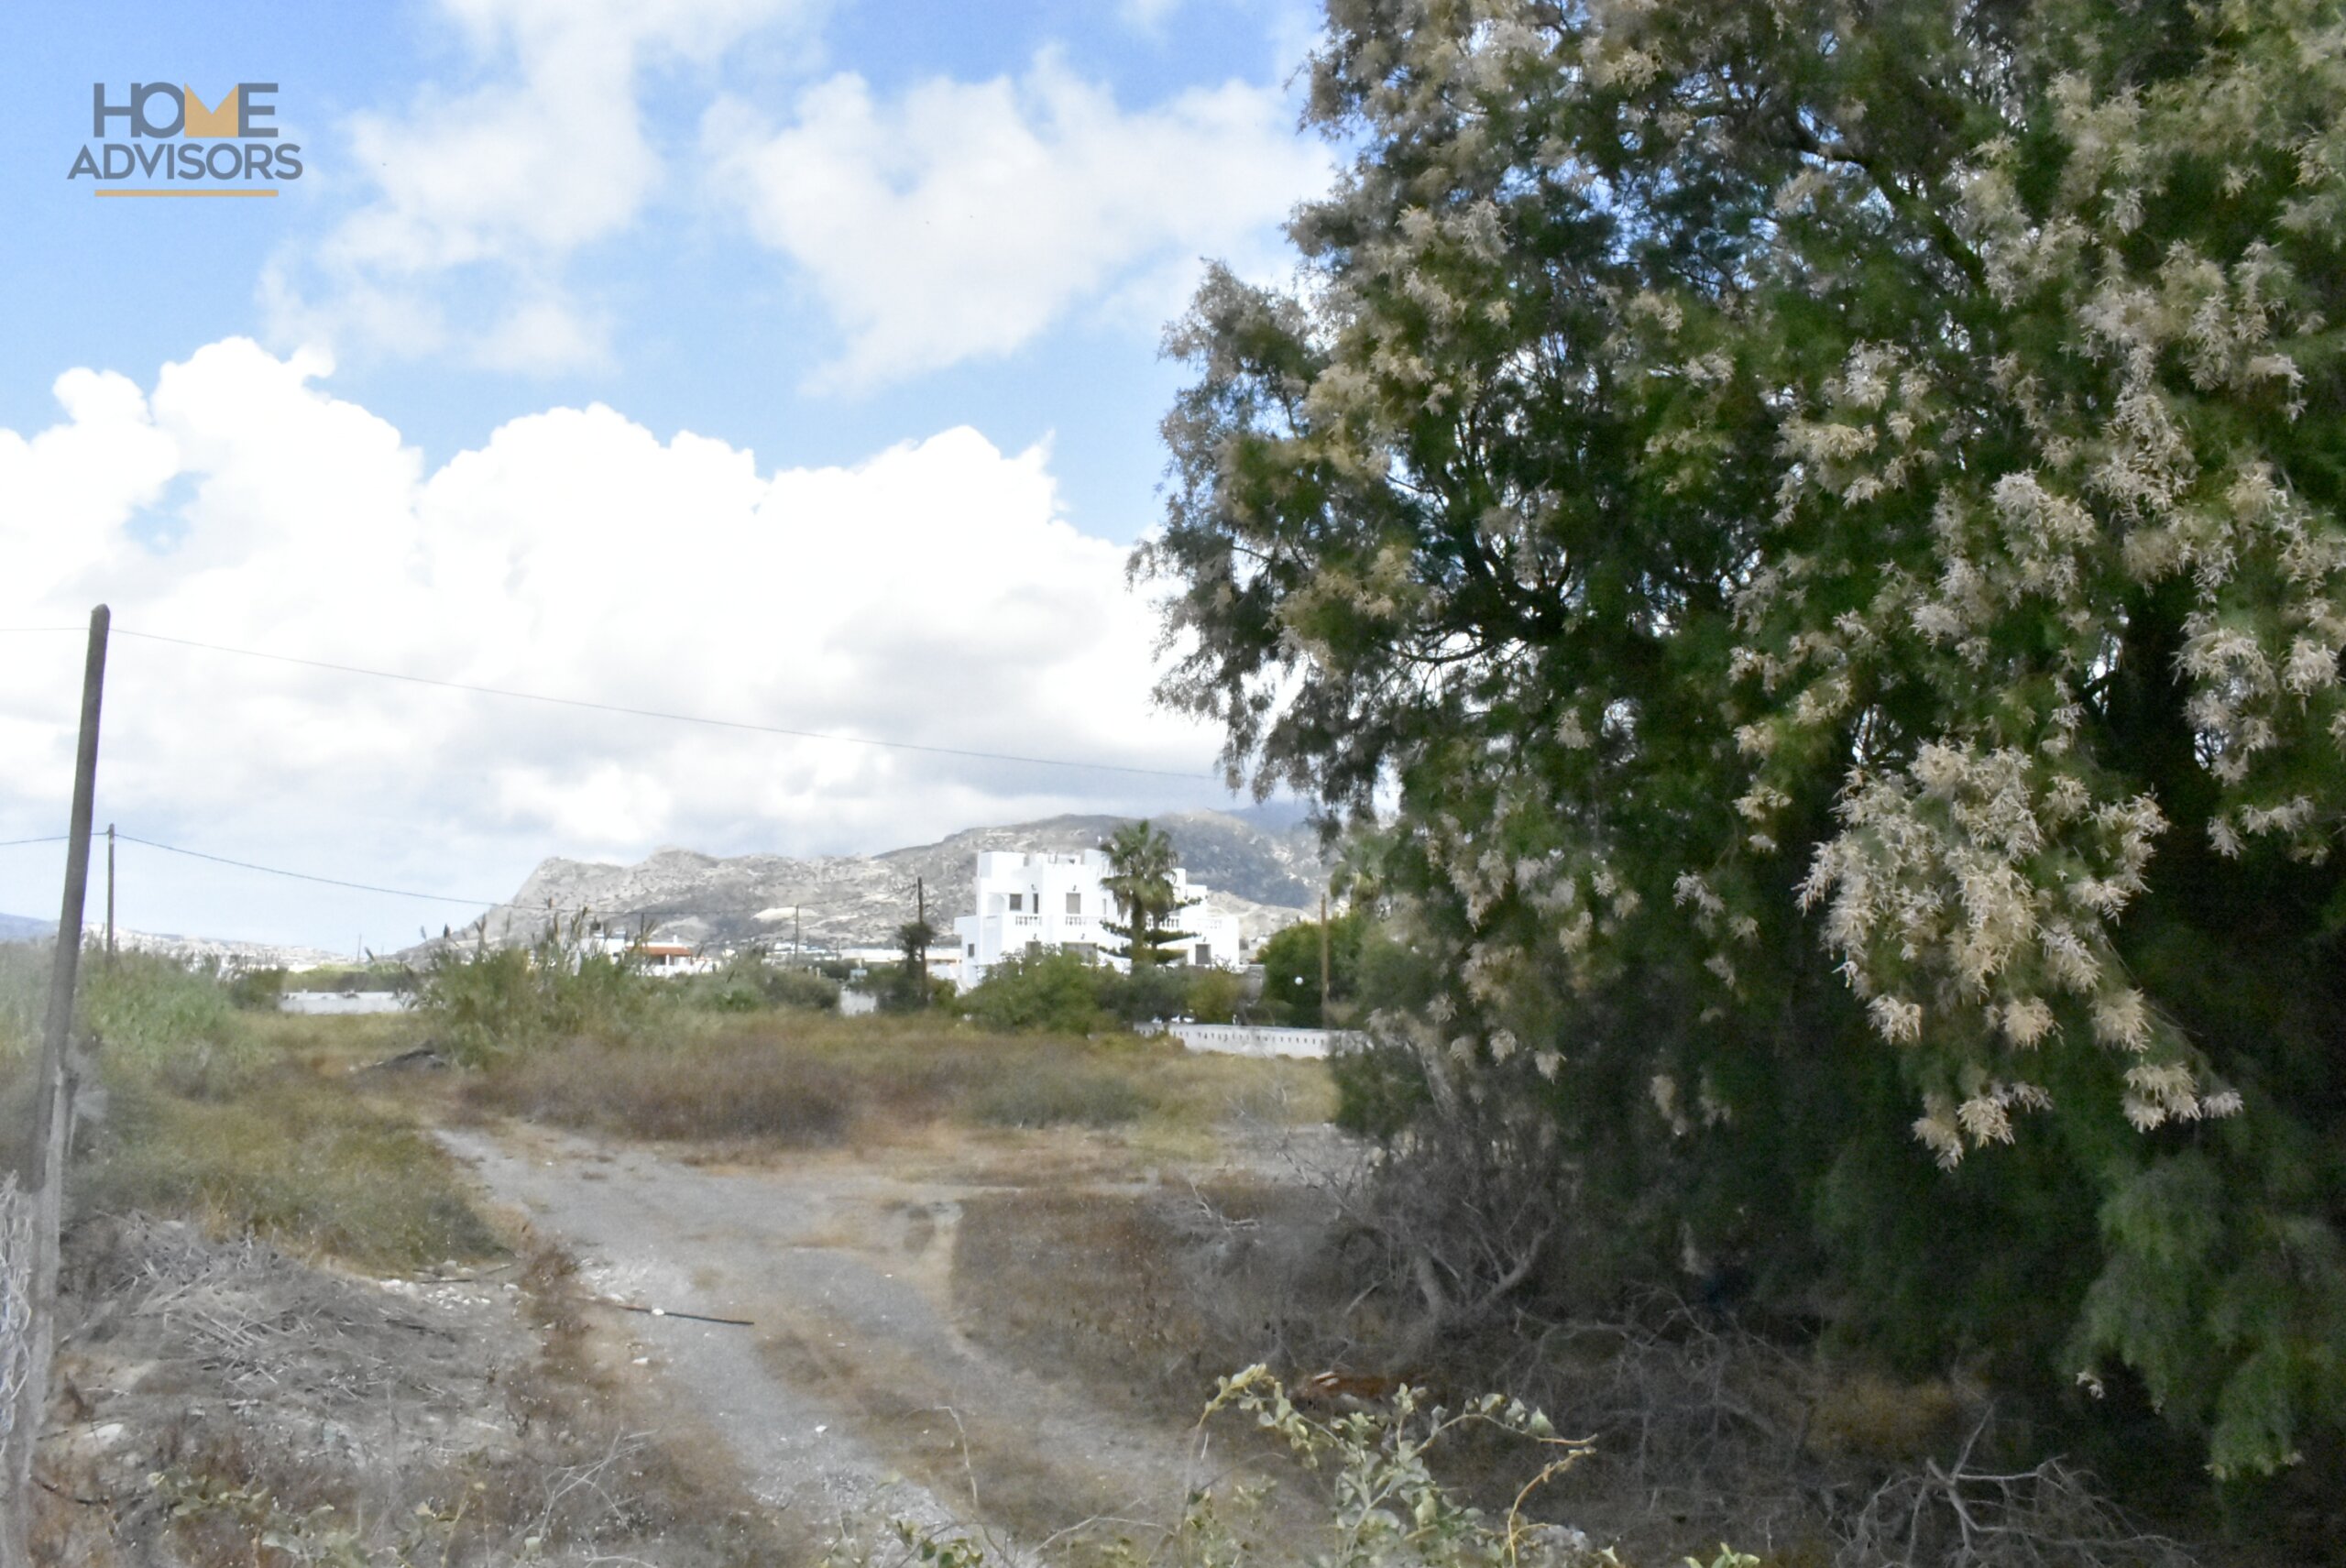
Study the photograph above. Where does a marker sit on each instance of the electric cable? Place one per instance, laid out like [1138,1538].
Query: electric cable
[662,714]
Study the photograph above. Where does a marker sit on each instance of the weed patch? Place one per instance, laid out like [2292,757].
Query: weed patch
[309,1165]
[805,1080]
[736,1089]
[1056,1093]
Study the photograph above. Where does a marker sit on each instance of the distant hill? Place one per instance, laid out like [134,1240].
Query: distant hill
[18,928]
[230,953]
[1263,867]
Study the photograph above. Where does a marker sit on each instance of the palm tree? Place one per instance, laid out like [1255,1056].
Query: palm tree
[1142,866]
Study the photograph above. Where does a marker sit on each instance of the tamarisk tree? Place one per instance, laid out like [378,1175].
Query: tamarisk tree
[1823,525]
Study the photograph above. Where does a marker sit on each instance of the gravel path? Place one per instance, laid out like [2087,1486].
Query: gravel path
[853,1397]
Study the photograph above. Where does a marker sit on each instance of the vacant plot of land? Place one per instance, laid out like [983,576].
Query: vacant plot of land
[798,1081]
[879,1373]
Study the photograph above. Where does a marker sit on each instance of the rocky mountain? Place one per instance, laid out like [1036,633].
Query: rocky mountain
[1263,867]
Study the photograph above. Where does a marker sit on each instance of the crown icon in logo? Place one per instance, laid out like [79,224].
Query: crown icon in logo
[203,122]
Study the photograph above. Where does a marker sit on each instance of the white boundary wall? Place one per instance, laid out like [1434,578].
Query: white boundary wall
[1254,1040]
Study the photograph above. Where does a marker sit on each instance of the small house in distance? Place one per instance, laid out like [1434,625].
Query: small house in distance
[1058,899]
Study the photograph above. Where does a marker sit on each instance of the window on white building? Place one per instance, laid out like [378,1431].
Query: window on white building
[1075,902]
[1017,902]
[1205,954]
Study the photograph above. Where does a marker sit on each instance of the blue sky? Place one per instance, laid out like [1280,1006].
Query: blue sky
[663,352]
[711,332]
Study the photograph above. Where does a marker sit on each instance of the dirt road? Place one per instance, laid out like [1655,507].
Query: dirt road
[853,1396]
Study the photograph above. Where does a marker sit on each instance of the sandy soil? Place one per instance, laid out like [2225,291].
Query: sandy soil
[853,1396]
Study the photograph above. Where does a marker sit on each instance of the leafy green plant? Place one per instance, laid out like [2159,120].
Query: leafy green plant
[1057,991]
[257,990]
[483,1001]
[161,1018]
[748,983]
[1141,865]
[1290,962]
[1819,534]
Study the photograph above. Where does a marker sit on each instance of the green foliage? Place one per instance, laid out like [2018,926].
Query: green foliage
[257,990]
[1057,990]
[1381,1090]
[483,1003]
[899,990]
[1141,863]
[1215,995]
[1828,538]
[156,1015]
[1290,962]
[748,983]
[1148,991]
[913,939]
[1069,993]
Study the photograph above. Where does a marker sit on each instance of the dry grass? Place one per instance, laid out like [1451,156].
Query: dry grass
[799,1081]
[301,1158]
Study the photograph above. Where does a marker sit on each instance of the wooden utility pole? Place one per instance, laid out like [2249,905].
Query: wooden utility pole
[1323,957]
[53,1111]
[920,913]
[109,893]
[797,941]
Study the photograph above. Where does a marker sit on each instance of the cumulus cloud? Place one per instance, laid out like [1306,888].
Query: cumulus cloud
[960,219]
[931,593]
[502,184]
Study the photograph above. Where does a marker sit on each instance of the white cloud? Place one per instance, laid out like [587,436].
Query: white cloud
[961,219]
[931,593]
[502,184]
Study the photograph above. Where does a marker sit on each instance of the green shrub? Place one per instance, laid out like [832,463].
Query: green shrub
[489,1000]
[1290,962]
[1380,1089]
[257,990]
[749,984]
[1215,995]
[1057,991]
[155,1016]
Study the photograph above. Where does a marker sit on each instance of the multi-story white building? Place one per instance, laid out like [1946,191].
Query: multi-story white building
[1044,900]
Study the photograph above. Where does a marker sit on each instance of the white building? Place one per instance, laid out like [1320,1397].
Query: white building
[665,960]
[1027,901]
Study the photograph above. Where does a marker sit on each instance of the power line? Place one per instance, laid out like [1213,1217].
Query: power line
[656,713]
[359,886]
[328,881]
[12,843]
